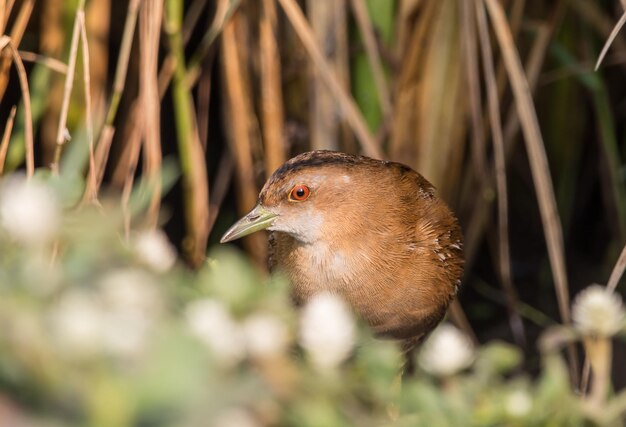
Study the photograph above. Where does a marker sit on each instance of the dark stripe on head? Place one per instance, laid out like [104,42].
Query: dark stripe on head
[319,158]
[313,159]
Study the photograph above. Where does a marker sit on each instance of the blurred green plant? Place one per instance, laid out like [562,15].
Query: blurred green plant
[100,330]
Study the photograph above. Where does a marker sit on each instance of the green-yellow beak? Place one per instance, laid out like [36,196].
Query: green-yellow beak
[257,219]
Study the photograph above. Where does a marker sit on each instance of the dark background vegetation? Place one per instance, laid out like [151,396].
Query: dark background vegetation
[240,93]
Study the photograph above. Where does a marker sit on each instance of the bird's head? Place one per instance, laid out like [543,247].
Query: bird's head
[304,197]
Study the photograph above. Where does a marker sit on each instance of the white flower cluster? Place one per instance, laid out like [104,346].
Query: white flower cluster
[518,404]
[261,335]
[446,352]
[117,318]
[29,210]
[266,336]
[155,250]
[327,330]
[235,417]
[211,322]
[597,311]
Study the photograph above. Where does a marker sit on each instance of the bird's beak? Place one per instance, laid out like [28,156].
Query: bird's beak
[257,219]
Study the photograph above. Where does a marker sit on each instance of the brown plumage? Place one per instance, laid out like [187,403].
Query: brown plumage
[371,231]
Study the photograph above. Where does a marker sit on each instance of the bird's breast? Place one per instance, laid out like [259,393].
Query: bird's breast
[317,267]
[332,263]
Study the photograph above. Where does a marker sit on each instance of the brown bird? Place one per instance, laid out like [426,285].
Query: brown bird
[372,231]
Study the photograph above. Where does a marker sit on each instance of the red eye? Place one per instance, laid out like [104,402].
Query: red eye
[299,193]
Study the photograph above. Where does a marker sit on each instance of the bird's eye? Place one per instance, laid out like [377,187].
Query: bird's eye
[299,193]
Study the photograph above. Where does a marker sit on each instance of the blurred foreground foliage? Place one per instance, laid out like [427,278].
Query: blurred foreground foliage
[100,329]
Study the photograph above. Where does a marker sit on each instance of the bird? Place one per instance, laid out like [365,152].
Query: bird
[374,232]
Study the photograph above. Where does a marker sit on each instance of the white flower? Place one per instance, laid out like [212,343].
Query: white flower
[115,318]
[518,404]
[29,210]
[131,289]
[155,250]
[266,336]
[446,352]
[598,311]
[76,323]
[132,303]
[124,333]
[235,417]
[211,322]
[327,330]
